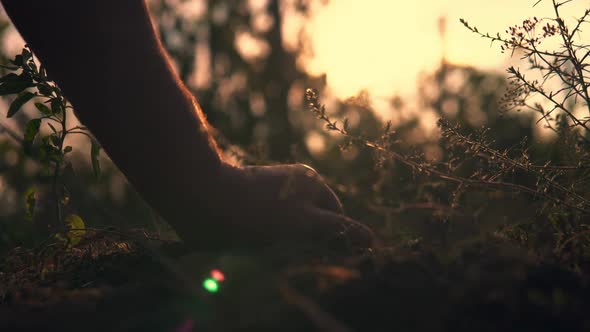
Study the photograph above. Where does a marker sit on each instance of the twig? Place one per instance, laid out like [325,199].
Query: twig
[320,111]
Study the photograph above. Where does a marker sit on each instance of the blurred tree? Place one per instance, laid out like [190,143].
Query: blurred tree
[251,71]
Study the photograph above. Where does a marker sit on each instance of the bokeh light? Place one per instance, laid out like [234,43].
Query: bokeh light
[211,285]
[217,275]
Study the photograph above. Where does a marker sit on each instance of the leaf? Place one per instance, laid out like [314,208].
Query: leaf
[26,54]
[14,86]
[16,105]
[45,89]
[55,140]
[52,127]
[9,77]
[55,155]
[94,153]
[32,129]
[30,203]
[55,106]
[76,229]
[67,149]
[43,108]
[18,60]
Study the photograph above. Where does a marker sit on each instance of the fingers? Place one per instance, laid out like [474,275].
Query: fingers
[328,200]
[340,232]
[303,209]
[322,196]
[297,182]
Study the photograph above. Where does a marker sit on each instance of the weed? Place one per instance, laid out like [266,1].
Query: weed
[31,83]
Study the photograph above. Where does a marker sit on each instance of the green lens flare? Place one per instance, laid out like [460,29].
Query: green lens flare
[211,285]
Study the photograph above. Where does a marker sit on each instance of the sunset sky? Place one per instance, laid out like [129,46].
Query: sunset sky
[382,45]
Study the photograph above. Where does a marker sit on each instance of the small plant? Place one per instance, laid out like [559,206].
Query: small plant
[556,185]
[555,87]
[568,64]
[30,83]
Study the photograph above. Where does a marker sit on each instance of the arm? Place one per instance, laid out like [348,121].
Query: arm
[129,89]
[107,59]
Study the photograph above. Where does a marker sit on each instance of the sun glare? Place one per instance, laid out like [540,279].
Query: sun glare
[382,46]
[373,44]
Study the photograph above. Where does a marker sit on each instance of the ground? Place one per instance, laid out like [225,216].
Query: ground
[115,282]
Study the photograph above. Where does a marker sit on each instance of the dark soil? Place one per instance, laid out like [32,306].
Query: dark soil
[108,284]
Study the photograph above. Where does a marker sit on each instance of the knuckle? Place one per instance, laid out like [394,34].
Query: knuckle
[307,171]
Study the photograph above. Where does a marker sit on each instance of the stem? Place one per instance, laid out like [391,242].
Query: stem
[429,170]
[58,164]
[551,99]
[572,54]
[54,189]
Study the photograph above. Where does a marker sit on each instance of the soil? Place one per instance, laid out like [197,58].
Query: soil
[108,283]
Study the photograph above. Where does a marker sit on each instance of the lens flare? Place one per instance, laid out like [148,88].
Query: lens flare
[217,275]
[211,285]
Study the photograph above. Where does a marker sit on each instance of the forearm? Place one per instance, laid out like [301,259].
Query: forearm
[108,61]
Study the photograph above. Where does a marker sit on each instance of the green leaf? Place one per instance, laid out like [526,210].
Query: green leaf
[55,106]
[52,127]
[48,152]
[27,55]
[32,129]
[14,86]
[9,77]
[43,108]
[30,203]
[18,60]
[45,89]
[55,140]
[76,229]
[55,155]
[16,105]
[94,153]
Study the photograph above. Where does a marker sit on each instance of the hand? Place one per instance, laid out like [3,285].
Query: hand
[210,204]
[289,205]
[296,183]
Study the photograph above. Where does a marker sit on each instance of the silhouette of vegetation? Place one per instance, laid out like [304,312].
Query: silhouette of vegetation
[49,150]
[484,219]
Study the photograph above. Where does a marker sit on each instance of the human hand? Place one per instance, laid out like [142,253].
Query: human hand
[297,183]
[288,204]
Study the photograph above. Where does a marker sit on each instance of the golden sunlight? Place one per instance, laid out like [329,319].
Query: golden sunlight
[382,46]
